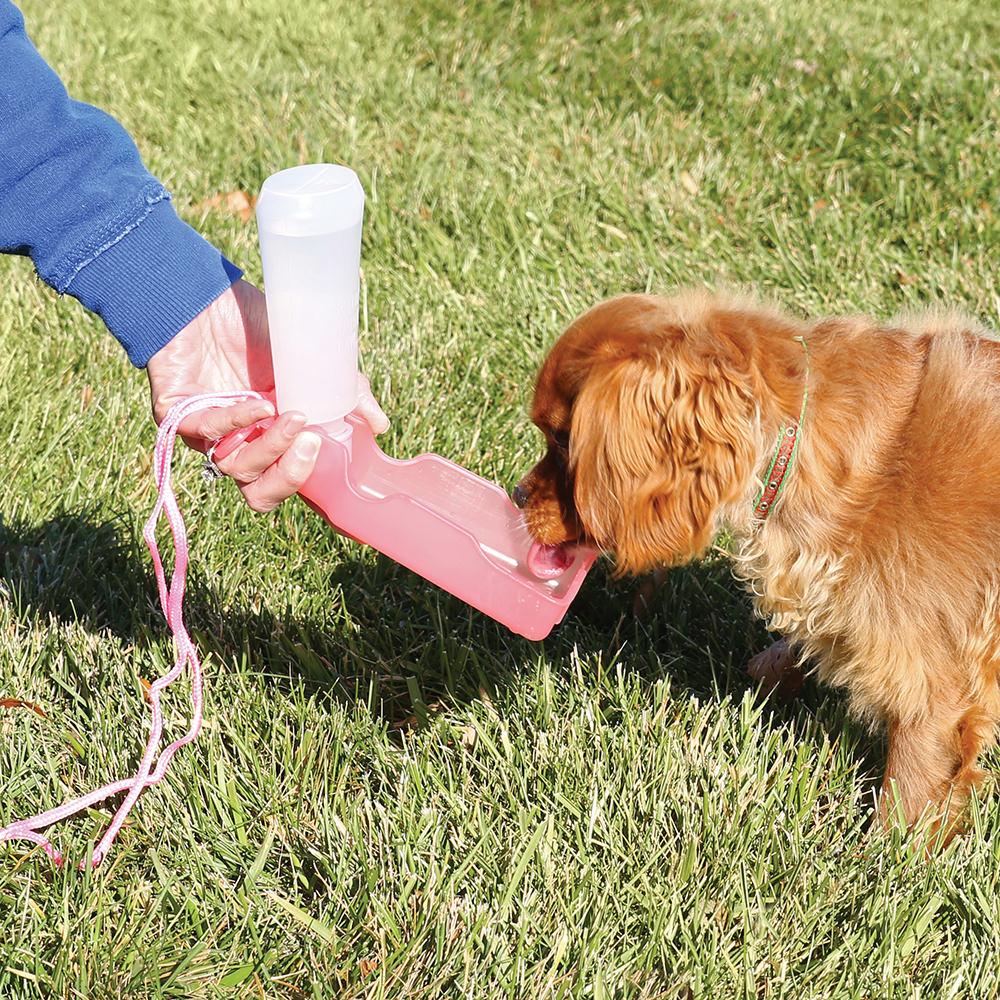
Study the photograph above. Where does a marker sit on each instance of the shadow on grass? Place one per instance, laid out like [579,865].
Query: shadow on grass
[77,569]
[404,646]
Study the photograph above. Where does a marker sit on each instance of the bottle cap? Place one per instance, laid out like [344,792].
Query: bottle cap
[310,200]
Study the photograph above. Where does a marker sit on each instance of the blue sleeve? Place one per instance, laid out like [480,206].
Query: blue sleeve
[76,198]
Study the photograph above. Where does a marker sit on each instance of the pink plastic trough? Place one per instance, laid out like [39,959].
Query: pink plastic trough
[447,524]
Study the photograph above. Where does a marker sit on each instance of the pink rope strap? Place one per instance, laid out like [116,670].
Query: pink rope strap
[172,601]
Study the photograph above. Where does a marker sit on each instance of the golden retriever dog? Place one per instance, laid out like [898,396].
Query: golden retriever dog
[858,466]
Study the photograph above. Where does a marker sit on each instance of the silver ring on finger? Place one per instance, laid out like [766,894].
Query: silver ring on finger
[210,472]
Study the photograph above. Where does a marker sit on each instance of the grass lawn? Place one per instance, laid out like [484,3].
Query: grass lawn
[392,796]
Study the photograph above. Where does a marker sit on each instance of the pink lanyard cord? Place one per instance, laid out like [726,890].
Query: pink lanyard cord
[172,601]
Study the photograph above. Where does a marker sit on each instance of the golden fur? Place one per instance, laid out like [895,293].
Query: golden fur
[881,562]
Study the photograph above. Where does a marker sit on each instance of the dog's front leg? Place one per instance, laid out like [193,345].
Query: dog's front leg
[932,766]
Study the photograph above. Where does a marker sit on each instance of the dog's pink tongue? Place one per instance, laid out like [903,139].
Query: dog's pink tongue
[548,561]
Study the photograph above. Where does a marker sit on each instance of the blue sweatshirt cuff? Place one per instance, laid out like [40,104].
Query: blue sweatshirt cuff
[148,282]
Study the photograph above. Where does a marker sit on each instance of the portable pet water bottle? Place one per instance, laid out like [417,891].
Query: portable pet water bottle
[452,527]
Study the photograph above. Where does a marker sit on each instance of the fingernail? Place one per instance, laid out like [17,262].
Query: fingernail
[307,446]
[263,409]
[294,422]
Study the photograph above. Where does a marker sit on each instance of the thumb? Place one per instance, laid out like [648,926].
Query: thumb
[369,408]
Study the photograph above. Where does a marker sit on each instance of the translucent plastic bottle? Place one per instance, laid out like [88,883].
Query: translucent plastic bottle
[309,220]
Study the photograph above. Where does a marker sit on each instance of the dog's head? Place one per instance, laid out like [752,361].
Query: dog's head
[647,409]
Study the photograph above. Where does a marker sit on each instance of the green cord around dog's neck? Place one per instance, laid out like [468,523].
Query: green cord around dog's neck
[784,453]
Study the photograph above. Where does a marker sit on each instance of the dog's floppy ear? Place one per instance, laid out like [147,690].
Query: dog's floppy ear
[658,446]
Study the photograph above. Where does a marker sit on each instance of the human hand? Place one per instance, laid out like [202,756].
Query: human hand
[226,348]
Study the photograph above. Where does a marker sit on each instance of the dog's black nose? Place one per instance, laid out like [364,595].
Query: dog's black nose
[519,496]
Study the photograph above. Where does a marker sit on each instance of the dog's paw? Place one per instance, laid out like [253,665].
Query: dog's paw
[777,670]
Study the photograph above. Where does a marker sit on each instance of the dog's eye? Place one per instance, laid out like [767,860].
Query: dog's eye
[560,441]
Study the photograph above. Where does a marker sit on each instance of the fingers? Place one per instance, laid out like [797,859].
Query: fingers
[271,467]
[210,425]
[249,462]
[224,447]
[369,408]
[285,476]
